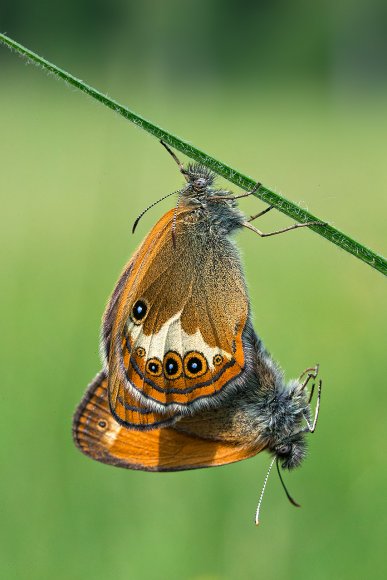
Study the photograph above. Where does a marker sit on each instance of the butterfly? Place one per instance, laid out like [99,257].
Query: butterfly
[186,382]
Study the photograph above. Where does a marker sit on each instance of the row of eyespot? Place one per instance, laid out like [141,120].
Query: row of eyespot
[194,364]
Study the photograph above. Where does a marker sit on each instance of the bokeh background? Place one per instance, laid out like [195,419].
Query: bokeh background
[291,93]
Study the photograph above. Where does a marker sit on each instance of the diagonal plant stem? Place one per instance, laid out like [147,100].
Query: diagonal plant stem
[279,202]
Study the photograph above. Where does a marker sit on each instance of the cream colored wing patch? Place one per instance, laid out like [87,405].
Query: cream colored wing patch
[172,337]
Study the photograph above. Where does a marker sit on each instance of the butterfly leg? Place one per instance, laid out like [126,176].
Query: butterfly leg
[181,166]
[254,217]
[254,190]
[312,374]
[311,427]
[234,197]
[311,393]
[288,229]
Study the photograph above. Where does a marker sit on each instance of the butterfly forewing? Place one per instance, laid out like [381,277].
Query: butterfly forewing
[177,329]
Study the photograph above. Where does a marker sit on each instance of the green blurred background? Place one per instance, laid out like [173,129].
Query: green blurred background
[291,93]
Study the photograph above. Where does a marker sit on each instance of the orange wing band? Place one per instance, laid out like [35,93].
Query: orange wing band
[182,390]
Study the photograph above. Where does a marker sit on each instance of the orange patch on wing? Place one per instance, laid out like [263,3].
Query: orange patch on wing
[131,413]
[151,245]
[100,437]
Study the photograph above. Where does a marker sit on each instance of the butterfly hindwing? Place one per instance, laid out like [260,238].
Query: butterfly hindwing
[101,437]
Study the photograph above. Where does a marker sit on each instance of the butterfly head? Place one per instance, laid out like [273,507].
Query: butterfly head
[199,179]
[286,420]
[291,451]
[215,208]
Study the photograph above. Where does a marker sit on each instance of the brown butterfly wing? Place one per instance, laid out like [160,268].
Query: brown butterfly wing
[101,437]
[196,308]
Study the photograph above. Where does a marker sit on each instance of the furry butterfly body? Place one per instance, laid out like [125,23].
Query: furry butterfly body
[186,381]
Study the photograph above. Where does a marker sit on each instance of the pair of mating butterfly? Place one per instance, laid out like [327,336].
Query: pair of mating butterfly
[186,382]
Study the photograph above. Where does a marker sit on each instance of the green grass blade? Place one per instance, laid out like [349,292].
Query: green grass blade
[268,196]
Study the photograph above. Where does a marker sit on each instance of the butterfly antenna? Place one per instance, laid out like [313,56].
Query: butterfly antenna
[292,501]
[262,492]
[181,166]
[174,220]
[149,207]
